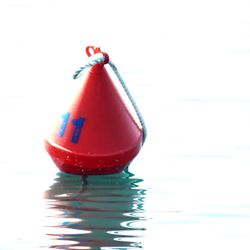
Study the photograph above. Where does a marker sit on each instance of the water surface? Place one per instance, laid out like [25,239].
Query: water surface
[106,212]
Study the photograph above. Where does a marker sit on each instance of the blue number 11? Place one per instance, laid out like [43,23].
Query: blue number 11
[78,123]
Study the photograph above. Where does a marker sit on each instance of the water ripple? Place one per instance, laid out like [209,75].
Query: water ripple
[103,214]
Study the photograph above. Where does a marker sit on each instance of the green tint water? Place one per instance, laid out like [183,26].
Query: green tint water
[102,213]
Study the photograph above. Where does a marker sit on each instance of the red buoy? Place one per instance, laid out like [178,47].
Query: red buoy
[96,134]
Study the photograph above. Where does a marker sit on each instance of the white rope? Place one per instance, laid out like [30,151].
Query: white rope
[99,58]
[138,113]
[94,59]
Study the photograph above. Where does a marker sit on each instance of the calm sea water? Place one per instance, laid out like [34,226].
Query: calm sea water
[187,65]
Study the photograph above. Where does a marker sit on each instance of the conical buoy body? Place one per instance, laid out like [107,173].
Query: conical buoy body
[97,134]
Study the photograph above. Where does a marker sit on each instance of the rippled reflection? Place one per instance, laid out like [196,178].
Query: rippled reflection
[104,214]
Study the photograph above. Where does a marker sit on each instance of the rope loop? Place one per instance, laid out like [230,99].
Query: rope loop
[98,57]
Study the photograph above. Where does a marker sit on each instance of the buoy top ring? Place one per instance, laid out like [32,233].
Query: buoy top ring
[92,50]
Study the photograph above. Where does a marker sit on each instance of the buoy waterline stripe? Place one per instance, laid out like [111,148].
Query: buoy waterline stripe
[100,58]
